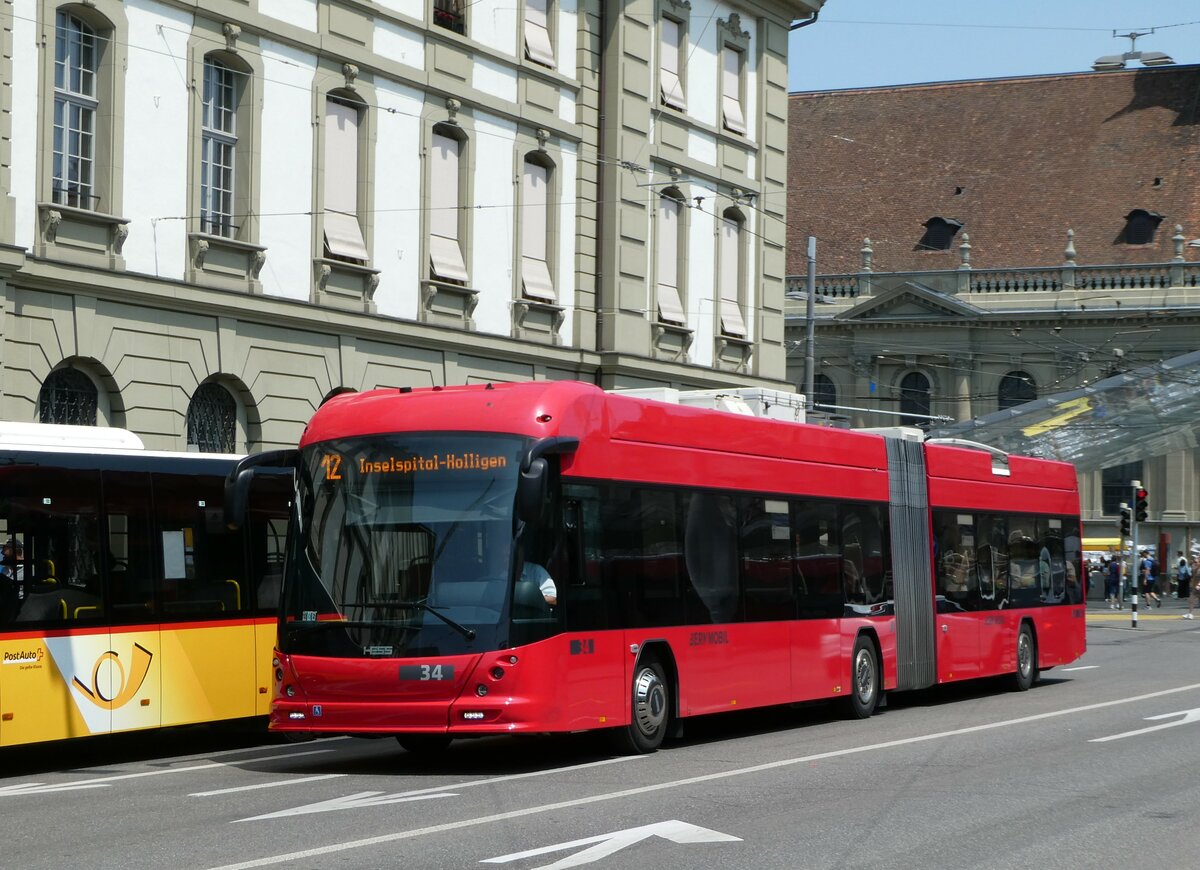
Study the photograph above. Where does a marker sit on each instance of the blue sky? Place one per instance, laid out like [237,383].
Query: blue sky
[866,43]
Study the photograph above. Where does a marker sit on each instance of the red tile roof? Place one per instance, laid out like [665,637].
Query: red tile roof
[1032,157]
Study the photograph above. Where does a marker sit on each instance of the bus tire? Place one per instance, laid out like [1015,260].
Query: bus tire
[424,744]
[651,709]
[1026,673]
[864,679]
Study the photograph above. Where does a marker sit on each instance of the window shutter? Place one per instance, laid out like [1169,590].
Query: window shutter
[670,83]
[731,264]
[343,234]
[538,47]
[535,269]
[445,253]
[731,91]
[670,305]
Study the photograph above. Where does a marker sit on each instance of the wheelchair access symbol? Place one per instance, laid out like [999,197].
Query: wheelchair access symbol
[119,688]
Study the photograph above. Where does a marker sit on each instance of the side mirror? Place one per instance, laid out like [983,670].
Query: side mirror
[531,491]
[239,481]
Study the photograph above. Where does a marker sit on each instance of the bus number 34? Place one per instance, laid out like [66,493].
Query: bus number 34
[427,672]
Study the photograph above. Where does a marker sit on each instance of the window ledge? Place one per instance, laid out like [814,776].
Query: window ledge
[535,320]
[91,237]
[229,264]
[733,353]
[339,284]
[448,304]
[671,342]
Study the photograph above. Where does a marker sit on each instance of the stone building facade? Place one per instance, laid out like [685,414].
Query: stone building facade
[212,215]
[985,243]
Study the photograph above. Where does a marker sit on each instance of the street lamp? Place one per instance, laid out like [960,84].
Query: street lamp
[1147,58]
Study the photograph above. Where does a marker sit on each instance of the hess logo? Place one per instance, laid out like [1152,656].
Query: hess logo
[111,686]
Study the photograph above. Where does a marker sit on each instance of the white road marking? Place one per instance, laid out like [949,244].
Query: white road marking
[378,798]
[606,844]
[1189,716]
[1080,668]
[381,839]
[27,788]
[265,785]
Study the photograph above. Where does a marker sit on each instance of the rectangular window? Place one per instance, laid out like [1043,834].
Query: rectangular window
[218,149]
[670,51]
[730,277]
[445,250]
[670,304]
[450,14]
[731,91]
[535,202]
[76,61]
[538,46]
[343,233]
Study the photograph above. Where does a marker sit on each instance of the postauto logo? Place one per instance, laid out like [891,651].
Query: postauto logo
[111,688]
[24,657]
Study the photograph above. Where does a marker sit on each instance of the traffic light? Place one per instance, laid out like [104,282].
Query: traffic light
[1140,506]
[1124,521]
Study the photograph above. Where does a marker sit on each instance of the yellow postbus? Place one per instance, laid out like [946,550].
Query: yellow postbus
[125,601]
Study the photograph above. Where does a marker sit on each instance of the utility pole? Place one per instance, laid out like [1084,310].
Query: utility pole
[809,324]
[1133,555]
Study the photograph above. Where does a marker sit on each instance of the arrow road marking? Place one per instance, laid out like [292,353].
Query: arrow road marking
[378,798]
[277,782]
[1080,668]
[351,802]
[1189,716]
[607,844]
[28,788]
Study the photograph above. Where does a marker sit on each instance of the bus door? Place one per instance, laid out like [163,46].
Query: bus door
[265,542]
[135,643]
[957,619]
[208,638]
[61,674]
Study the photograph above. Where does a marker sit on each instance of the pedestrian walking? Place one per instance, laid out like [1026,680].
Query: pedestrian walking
[1183,576]
[1192,594]
[1112,588]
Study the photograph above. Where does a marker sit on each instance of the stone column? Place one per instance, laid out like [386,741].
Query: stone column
[1181,471]
[963,370]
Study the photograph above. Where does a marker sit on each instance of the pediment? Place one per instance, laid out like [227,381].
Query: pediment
[911,301]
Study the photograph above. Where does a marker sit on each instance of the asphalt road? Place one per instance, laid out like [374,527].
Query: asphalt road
[1094,767]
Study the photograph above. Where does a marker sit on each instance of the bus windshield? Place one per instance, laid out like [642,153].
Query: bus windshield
[403,546]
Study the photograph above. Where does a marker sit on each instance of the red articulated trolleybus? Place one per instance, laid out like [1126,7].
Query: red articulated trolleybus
[550,557]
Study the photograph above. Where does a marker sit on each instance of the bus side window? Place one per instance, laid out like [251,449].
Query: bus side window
[53,513]
[202,560]
[128,555]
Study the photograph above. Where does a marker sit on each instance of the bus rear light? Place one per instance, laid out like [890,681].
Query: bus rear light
[290,691]
[278,675]
[481,690]
[497,673]
[473,714]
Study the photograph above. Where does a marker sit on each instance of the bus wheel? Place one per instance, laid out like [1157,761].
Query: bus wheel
[1027,671]
[864,679]
[651,710]
[424,744]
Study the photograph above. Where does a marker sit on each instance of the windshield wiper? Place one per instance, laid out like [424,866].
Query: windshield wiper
[468,633]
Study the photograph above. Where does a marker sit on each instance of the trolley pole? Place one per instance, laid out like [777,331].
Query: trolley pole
[1133,554]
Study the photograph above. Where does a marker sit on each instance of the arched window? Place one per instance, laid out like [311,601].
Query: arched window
[824,392]
[68,396]
[212,420]
[1016,388]
[915,391]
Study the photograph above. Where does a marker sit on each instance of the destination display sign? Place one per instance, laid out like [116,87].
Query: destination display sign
[434,463]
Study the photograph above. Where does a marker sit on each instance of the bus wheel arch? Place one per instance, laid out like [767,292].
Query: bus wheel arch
[866,676]
[654,700]
[1026,672]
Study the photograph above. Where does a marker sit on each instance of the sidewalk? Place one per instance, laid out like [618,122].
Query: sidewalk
[1172,609]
